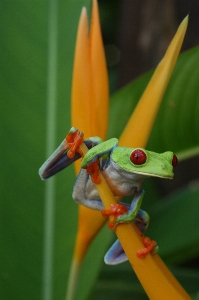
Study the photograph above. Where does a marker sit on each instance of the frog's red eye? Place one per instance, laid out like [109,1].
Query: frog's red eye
[174,160]
[138,157]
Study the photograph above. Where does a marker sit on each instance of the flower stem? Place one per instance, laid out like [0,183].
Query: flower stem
[73,280]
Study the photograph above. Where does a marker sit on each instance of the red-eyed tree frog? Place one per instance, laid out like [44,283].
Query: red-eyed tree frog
[123,168]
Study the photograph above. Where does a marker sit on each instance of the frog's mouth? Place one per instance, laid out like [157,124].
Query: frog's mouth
[160,174]
[59,160]
[167,176]
[141,172]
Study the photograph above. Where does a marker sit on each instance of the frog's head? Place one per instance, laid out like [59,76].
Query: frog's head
[144,162]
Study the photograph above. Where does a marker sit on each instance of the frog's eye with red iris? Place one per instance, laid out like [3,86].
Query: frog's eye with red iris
[138,157]
[174,161]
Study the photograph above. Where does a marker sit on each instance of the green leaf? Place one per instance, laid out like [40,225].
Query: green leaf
[38,219]
[173,225]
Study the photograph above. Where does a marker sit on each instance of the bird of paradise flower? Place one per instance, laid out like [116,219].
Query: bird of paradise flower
[90,114]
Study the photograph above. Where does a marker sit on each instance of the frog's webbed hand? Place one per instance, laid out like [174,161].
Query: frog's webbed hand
[122,213]
[60,159]
[133,211]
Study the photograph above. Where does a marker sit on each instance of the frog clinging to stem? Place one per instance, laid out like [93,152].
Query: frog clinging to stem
[124,169]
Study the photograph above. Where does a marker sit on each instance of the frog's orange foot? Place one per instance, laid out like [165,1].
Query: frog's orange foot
[115,210]
[93,171]
[150,246]
[74,139]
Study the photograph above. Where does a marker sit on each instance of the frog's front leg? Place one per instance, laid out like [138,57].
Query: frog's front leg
[85,192]
[126,217]
[133,211]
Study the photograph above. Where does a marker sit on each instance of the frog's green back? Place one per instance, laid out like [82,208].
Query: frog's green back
[98,151]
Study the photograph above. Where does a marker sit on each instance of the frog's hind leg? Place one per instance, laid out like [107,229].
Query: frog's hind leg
[142,220]
[79,192]
[115,254]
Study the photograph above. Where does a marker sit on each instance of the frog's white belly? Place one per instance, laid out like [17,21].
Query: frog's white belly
[122,183]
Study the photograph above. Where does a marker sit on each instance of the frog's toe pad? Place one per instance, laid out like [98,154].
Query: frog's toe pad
[115,210]
[150,247]
[93,171]
[74,139]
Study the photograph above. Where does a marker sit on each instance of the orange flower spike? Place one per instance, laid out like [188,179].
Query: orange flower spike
[91,46]
[90,93]
[99,73]
[83,109]
[144,115]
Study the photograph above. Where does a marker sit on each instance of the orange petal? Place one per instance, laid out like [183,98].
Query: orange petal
[85,235]
[99,73]
[143,117]
[90,93]
[81,82]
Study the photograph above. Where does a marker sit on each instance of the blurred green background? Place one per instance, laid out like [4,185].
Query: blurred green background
[37,232]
